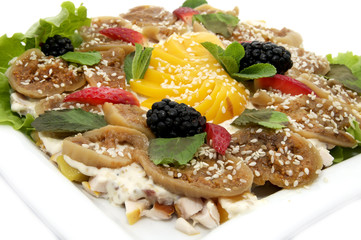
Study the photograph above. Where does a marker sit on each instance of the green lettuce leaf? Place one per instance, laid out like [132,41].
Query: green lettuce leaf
[353,62]
[10,48]
[175,151]
[7,117]
[65,24]
[345,76]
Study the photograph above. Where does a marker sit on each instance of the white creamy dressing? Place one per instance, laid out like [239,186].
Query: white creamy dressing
[126,183]
[233,208]
[52,145]
[22,105]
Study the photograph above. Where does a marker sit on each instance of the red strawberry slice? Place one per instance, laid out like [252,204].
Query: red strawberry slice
[283,83]
[124,34]
[101,95]
[185,14]
[218,137]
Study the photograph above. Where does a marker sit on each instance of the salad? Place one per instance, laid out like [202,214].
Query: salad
[96,109]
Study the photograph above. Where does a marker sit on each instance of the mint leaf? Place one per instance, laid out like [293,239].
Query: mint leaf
[194,3]
[176,151]
[345,76]
[235,50]
[265,117]
[220,23]
[10,48]
[68,120]
[83,58]
[65,24]
[255,71]
[227,58]
[137,63]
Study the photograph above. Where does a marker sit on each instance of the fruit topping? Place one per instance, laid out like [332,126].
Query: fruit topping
[266,52]
[283,83]
[218,137]
[57,46]
[185,14]
[169,119]
[101,95]
[124,34]
[182,70]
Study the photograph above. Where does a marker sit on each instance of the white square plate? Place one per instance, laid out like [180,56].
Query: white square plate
[71,214]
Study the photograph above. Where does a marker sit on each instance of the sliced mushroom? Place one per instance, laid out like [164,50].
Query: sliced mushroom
[128,116]
[205,177]
[110,146]
[282,157]
[37,76]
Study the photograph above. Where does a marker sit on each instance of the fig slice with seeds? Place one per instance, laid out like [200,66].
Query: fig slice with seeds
[229,176]
[128,116]
[282,157]
[110,147]
[37,76]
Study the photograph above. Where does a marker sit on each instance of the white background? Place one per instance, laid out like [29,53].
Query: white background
[326,27]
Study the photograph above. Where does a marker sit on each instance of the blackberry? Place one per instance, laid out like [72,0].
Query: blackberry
[57,46]
[266,52]
[169,119]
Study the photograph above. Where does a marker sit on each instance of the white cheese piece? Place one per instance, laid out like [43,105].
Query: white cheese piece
[233,208]
[52,145]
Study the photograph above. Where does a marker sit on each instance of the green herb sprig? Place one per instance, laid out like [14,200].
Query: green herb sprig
[230,58]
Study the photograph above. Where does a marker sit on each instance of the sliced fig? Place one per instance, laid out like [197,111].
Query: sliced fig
[110,146]
[109,72]
[56,102]
[155,17]
[282,157]
[91,33]
[312,117]
[37,76]
[130,116]
[204,177]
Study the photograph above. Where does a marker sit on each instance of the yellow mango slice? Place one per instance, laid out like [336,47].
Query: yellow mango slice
[183,70]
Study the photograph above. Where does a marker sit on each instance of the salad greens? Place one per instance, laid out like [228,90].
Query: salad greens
[8,117]
[65,24]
